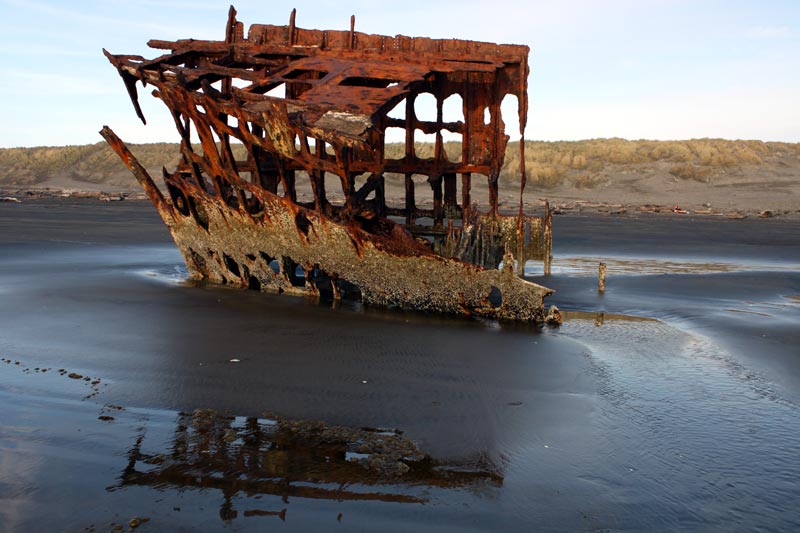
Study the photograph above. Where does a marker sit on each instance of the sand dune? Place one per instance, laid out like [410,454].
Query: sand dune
[706,176]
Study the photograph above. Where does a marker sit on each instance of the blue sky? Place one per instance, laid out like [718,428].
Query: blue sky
[652,69]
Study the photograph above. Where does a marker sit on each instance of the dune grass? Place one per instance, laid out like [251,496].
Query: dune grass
[582,164]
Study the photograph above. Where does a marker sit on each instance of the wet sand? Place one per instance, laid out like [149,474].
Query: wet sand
[670,402]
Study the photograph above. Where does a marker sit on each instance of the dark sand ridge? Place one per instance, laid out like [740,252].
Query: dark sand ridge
[690,421]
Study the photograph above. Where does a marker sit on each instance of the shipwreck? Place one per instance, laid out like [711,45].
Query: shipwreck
[305,209]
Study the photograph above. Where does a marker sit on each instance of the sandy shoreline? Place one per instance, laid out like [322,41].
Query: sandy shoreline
[738,204]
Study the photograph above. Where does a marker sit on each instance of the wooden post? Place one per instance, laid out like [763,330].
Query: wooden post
[599,319]
[601,285]
[548,238]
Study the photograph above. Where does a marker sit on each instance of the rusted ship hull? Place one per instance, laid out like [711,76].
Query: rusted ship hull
[233,226]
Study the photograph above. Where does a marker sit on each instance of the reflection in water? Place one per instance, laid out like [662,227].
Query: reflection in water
[306,459]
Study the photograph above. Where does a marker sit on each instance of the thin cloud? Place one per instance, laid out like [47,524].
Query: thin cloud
[739,113]
[44,50]
[31,82]
[44,8]
[768,32]
[178,4]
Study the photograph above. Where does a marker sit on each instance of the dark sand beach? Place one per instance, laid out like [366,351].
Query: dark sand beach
[135,399]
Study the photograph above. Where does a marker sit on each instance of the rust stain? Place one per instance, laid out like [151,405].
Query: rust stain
[310,103]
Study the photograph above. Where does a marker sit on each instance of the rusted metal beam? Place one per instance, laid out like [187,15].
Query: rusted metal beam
[138,171]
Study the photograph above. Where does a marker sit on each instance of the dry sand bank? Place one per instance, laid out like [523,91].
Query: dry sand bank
[702,176]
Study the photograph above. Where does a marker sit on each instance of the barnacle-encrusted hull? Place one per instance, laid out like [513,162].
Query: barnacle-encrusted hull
[241,222]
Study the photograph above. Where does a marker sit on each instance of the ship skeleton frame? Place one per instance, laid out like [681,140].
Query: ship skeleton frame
[243,222]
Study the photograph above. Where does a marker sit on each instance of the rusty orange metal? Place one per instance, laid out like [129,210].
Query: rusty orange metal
[307,104]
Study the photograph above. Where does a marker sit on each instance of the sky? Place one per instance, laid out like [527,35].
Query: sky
[635,69]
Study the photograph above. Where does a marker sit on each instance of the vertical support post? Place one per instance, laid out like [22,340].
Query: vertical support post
[348,178]
[283,175]
[410,204]
[438,147]
[411,119]
[496,130]
[230,28]
[230,37]
[465,112]
[493,193]
[438,212]
[466,201]
[380,197]
[349,190]
[601,284]
[450,193]
[288,181]
[269,181]
[266,175]
[523,178]
[292,26]
[521,217]
[522,111]
[317,178]
[411,123]
[548,238]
